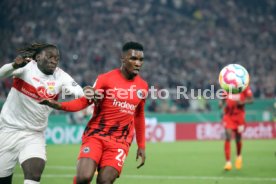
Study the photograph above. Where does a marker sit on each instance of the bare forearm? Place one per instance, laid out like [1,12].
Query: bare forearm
[52,103]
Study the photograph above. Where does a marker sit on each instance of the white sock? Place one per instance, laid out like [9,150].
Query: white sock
[31,182]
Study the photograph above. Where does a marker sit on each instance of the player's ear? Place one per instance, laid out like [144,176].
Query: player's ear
[122,58]
[38,57]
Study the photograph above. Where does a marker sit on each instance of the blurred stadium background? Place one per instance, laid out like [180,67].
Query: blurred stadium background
[187,42]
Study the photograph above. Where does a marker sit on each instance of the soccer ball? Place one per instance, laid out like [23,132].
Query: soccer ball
[233,78]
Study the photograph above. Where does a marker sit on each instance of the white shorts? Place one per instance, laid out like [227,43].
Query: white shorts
[18,146]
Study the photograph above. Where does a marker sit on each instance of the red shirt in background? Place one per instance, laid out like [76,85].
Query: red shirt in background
[234,111]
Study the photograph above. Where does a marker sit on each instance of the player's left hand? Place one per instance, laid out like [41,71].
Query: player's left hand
[20,62]
[141,153]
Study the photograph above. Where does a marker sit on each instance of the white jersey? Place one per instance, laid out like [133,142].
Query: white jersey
[22,110]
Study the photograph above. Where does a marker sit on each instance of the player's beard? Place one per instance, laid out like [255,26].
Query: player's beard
[133,74]
[130,73]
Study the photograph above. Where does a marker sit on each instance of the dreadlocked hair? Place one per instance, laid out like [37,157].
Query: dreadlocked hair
[32,50]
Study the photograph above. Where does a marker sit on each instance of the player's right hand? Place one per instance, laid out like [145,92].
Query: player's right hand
[20,62]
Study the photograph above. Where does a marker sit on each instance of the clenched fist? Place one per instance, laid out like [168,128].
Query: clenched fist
[20,62]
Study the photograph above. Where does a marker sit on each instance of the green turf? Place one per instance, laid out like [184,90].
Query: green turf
[191,162]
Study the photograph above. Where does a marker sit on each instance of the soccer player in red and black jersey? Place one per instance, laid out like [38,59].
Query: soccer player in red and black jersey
[234,121]
[119,109]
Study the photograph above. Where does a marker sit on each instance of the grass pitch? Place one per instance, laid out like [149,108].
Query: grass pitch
[191,162]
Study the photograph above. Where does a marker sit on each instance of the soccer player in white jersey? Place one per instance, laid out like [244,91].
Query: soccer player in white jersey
[23,120]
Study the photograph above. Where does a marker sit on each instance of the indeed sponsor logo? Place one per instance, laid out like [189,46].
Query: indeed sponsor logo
[124,105]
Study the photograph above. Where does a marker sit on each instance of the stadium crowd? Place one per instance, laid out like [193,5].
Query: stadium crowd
[186,42]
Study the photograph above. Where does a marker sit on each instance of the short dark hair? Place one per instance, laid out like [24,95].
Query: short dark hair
[132,45]
[33,49]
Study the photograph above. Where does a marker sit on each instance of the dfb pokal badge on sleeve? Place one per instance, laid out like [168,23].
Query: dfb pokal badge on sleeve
[86,150]
[140,94]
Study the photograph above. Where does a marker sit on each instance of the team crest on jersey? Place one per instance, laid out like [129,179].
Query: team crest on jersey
[47,92]
[51,88]
[140,94]
[86,150]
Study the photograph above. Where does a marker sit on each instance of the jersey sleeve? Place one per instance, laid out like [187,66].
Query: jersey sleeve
[7,70]
[139,122]
[140,125]
[100,85]
[99,82]
[75,105]
[70,87]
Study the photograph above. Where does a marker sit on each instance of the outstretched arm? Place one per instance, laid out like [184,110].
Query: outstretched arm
[76,104]
[8,69]
[70,106]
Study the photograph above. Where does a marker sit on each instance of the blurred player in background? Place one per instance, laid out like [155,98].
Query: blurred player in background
[234,121]
[23,120]
[120,110]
